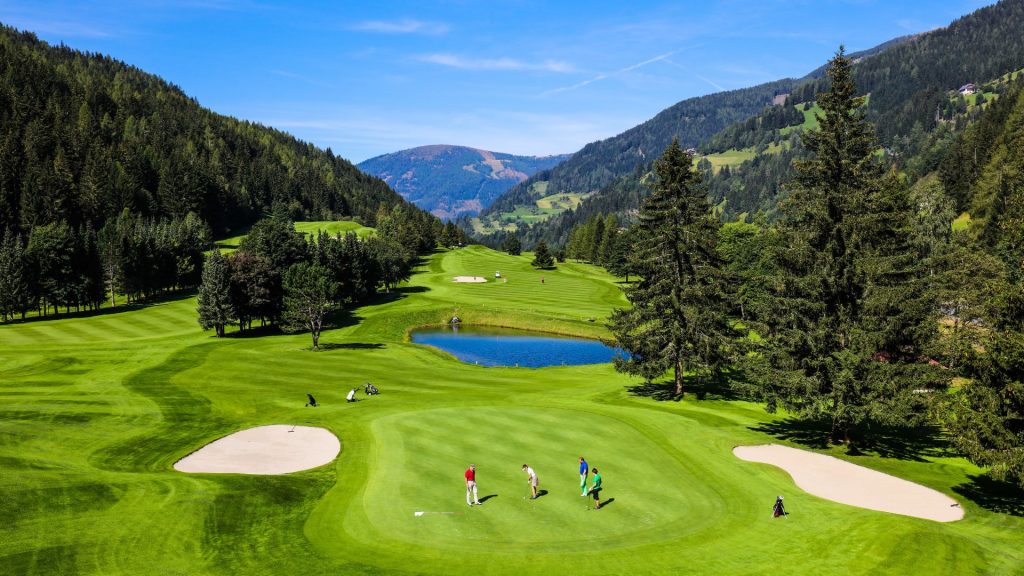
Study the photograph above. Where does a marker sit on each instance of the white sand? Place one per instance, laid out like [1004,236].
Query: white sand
[264,450]
[471,279]
[841,481]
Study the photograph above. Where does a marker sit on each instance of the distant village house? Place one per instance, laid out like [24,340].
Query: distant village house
[967,89]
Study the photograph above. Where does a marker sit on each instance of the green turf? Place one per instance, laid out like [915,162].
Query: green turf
[95,410]
[962,222]
[543,208]
[332,227]
[810,119]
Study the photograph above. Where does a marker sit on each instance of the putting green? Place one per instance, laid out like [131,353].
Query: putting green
[423,457]
[95,410]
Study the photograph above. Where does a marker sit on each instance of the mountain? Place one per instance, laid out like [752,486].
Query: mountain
[449,181]
[910,87]
[600,164]
[84,137]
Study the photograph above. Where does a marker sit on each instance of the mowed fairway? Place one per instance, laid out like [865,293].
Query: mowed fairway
[94,411]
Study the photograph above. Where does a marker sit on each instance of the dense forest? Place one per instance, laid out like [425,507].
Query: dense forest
[84,136]
[909,82]
[114,182]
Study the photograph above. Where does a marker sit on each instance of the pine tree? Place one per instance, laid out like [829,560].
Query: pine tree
[607,247]
[542,257]
[851,317]
[678,320]
[14,287]
[595,237]
[214,302]
[512,245]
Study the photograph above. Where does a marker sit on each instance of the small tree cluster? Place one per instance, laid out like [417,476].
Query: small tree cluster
[277,277]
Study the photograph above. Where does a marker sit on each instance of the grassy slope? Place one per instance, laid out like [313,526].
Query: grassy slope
[93,412]
[229,245]
[543,208]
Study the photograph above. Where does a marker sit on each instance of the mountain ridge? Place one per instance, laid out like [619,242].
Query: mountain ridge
[449,180]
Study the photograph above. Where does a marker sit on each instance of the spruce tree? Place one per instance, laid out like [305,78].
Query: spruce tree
[215,307]
[14,282]
[851,316]
[542,257]
[607,248]
[678,320]
[512,245]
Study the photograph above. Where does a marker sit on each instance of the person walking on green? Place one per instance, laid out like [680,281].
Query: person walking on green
[595,489]
[584,470]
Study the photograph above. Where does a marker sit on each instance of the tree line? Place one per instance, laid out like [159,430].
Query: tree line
[59,265]
[860,307]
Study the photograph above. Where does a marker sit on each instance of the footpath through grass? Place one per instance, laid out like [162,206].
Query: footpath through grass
[95,410]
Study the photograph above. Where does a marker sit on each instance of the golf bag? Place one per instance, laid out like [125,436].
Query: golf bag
[370,390]
[778,509]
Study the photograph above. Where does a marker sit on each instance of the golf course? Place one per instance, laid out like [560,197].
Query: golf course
[96,409]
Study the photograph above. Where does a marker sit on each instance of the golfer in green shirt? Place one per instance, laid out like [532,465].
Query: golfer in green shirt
[595,489]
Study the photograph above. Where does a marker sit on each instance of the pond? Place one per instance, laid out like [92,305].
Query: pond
[507,347]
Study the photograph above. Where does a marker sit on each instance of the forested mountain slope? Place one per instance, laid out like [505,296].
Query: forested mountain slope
[449,181]
[599,163]
[911,98]
[84,137]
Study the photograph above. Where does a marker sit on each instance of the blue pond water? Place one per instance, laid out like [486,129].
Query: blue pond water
[507,347]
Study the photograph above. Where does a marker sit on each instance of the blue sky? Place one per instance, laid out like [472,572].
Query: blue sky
[366,78]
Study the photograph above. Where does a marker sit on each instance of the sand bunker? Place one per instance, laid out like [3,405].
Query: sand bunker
[472,279]
[275,449]
[840,481]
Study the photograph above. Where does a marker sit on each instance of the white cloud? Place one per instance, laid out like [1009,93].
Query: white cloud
[708,80]
[403,26]
[454,61]
[604,75]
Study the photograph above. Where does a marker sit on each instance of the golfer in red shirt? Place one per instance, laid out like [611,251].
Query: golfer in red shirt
[471,486]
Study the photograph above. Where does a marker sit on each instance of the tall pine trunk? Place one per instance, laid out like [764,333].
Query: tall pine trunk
[678,370]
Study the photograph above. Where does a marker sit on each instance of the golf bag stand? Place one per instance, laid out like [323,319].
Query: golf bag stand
[778,509]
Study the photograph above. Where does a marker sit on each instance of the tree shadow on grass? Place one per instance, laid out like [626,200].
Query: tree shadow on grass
[993,495]
[325,346]
[123,307]
[701,388]
[885,441]
[394,295]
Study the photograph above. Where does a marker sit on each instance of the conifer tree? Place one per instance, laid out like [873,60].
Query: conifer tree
[542,257]
[14,285]
[607,247]
[851,316]
[678,319]
[512,245]
[215,307]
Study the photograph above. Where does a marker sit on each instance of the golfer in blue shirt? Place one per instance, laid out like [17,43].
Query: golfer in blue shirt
[584,470]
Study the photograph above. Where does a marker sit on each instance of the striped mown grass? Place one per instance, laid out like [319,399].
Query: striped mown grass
[95,410]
